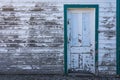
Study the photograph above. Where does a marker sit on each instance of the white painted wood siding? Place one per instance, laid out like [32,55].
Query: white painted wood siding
[107,26]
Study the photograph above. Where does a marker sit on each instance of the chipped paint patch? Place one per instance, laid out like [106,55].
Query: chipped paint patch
[8,8]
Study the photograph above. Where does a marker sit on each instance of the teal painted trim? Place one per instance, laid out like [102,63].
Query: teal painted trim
[65,40]
[66,6]
[118,37]
[96,37]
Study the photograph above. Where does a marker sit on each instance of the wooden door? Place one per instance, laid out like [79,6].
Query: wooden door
[81,39]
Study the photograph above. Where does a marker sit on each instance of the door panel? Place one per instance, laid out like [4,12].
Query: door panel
[76,29]
[81,40]
[86,30]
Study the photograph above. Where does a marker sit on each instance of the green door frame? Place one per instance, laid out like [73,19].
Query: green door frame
[118,37]
[66,6]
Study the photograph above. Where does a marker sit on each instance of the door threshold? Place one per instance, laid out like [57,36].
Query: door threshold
[81,74]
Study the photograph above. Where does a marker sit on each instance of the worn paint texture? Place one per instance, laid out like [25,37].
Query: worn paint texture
[31,38]
[107,41]
[32,31]
[81,38]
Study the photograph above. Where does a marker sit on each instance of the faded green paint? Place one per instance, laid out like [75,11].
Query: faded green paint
[65,39]
[118,37]
[96,36]
[66,6]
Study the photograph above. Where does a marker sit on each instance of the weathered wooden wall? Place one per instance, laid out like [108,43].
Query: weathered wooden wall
[31,38]
[32,31]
